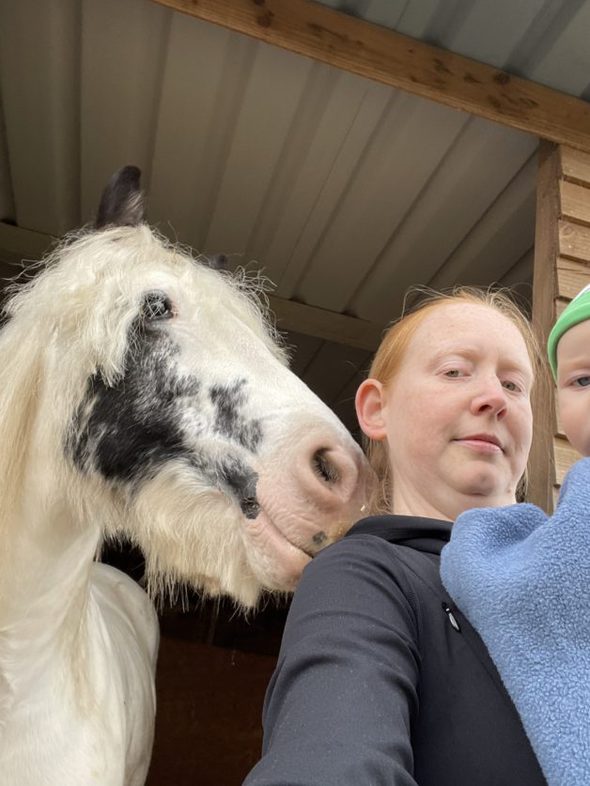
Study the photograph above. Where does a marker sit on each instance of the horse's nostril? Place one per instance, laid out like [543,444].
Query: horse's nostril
[324,468]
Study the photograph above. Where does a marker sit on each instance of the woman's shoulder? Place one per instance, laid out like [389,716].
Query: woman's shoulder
[398,528]
[379,538]
[385,551]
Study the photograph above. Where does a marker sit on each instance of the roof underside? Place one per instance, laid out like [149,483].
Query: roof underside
[346,192]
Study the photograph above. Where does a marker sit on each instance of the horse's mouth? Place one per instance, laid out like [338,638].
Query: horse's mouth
[314,544]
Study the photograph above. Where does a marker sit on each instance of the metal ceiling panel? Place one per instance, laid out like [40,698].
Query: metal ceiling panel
[503,234]
[40,82]
[475,170]
[122,51]
[393,170]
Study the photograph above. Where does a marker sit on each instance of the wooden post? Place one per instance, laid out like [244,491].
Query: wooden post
[541,471]
[561,269]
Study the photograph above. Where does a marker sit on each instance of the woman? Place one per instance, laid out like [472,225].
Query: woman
[380,680]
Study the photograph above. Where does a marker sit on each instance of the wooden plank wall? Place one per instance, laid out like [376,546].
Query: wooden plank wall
[573,261]
[208,723]
[562,268]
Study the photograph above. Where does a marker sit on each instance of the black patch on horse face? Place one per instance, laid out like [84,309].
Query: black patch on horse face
[242,481]
[128,430]
[227,400]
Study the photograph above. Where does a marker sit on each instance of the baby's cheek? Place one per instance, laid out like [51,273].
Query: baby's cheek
[573,409]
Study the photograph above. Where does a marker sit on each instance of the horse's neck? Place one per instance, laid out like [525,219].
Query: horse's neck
[44,580]
[77,654]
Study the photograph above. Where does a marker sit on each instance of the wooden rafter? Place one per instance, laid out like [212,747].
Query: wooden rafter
[328,325]
[375,52]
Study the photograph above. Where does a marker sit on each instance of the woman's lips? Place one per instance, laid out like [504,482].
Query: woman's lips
[481,444]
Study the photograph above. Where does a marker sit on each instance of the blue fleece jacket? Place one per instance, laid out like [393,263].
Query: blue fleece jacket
[522,579]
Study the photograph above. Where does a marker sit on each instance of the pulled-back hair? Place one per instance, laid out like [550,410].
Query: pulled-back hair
[392,351]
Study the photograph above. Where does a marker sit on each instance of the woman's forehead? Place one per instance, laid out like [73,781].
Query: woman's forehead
[455,324]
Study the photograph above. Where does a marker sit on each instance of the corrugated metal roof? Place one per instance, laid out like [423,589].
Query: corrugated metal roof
[343,190]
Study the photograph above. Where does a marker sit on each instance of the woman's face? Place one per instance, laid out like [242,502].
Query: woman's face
[457,415]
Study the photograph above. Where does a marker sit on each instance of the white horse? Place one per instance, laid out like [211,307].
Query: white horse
[142,394]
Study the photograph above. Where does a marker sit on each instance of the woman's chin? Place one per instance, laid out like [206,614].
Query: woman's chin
[485,486]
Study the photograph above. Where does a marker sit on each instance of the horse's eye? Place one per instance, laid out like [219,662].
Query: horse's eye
[156,306]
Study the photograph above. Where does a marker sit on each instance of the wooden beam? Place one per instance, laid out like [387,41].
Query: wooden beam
[18,244]
[541,464]
[378,53]
[328,325]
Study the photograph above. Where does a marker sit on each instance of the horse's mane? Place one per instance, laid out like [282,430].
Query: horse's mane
[20,361]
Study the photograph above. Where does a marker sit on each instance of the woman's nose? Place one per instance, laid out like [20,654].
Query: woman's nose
[490,399]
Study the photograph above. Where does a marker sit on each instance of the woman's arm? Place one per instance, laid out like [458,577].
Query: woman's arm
[339,706]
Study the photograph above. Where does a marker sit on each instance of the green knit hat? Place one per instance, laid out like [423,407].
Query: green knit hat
[577,311]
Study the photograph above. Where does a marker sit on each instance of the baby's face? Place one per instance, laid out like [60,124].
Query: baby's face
[573,385]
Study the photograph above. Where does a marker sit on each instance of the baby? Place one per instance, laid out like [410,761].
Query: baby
[522,579]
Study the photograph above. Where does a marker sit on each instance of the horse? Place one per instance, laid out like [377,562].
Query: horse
[143,395]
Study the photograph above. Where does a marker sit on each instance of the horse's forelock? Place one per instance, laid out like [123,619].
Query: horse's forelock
[72,274]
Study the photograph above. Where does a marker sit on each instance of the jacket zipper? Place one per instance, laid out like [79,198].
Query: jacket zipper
[452,619]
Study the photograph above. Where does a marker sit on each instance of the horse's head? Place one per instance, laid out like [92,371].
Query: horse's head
[166,411]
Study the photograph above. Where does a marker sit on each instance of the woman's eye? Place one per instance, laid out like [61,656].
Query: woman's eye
[156,306]
[581,382]
[511,386]
[454,373]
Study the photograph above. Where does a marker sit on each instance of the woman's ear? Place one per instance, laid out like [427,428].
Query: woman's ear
[369,403]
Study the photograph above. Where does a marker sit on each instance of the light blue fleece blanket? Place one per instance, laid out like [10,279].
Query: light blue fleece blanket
[523,581]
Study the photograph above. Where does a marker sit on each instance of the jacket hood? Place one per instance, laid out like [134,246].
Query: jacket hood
[421,534]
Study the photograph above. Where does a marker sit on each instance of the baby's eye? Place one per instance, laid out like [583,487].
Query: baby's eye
[581,382]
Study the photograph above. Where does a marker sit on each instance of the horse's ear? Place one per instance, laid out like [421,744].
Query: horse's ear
[215,261]
[122,203]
